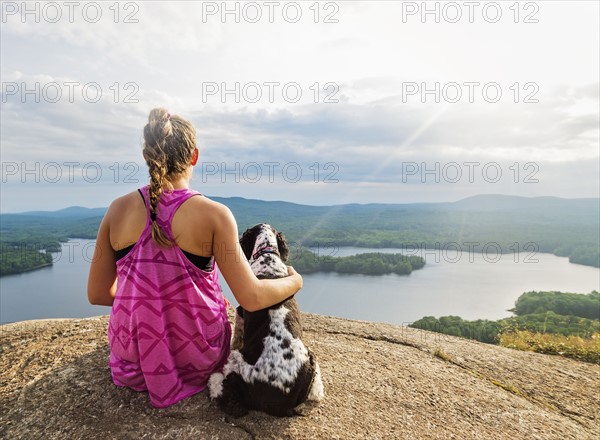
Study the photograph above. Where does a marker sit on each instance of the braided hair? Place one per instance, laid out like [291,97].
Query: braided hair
[169,142]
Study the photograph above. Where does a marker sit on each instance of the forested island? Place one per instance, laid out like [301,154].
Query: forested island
[371,263]
[24,248]
[19,260]
[548,322]
[28,240]
[518,226]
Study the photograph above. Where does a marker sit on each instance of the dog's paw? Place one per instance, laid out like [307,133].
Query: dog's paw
[215,385]
[231,401]
[233,408]
[235,362]
[305,408]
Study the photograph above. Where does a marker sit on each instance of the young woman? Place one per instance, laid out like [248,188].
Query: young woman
[155,263]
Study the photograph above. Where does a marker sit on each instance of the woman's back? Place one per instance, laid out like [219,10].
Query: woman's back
[193,233]
[168,326]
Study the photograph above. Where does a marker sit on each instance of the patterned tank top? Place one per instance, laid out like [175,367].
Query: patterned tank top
[168,328]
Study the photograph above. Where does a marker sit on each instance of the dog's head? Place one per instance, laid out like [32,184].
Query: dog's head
[261,236]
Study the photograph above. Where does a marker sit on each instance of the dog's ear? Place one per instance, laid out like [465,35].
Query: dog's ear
[247,241]
[283,247]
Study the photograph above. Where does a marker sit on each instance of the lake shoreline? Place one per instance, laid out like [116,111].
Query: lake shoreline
[458,284]
[373,249]
[41,266]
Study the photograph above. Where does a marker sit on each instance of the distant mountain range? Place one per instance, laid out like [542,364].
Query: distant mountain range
[484,202]
[564,227]
[70,212]
[495,202]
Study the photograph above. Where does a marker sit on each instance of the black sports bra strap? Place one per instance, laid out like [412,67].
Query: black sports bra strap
[201,262]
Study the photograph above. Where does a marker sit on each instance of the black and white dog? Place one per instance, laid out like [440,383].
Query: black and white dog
[269,368]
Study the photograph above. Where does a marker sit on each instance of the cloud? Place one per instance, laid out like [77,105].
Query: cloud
[374,135]
[374,130]
[131,30]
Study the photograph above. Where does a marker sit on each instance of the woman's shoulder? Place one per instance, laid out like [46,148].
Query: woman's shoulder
[202,214]
[209,206]
[126,201]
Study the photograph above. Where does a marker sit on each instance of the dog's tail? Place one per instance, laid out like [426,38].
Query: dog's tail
[316,391]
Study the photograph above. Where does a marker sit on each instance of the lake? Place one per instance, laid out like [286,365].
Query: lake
[470,285]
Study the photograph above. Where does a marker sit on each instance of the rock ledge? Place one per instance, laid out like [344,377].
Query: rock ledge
[381,381]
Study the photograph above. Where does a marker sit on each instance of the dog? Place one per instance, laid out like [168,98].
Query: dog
[269,368]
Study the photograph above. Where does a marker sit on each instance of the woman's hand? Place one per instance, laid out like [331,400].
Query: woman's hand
[250,292]
[298,278]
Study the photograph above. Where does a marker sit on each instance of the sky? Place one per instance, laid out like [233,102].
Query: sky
[316,103]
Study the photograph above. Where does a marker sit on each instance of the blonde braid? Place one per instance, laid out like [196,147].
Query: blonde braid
[156,132]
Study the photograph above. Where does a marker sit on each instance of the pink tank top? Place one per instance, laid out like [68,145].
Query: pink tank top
[168,328]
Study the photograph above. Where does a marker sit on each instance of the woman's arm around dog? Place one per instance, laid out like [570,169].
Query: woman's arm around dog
[250,292]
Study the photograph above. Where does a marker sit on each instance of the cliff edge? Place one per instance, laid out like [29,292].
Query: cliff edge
[381,381]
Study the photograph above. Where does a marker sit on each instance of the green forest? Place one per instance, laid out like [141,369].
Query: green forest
[516,226]
[20,259]
[561,314]
[371,263]
[560,303]
[26,245]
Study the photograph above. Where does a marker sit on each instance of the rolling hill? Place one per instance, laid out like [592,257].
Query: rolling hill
[564,227]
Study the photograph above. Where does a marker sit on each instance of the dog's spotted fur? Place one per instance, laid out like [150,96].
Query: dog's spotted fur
[269,368]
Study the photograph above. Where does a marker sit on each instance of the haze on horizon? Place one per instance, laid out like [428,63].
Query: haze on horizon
[375,107]
[471,202]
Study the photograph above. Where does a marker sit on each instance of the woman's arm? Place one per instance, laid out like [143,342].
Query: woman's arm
[250,292]
[102,279]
